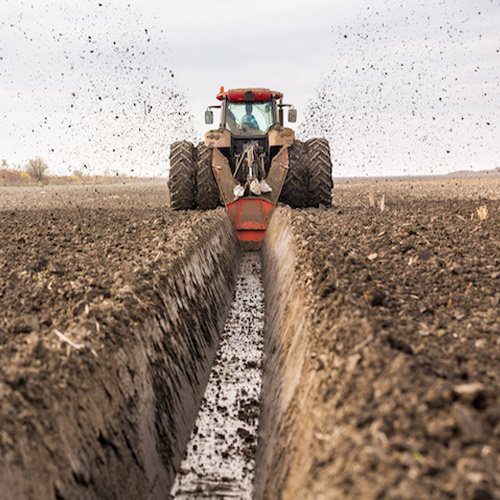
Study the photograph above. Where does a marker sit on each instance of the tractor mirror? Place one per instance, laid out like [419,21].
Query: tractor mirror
[292,115]
[209,117]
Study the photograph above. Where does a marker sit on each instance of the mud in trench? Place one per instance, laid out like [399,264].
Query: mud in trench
[220,456]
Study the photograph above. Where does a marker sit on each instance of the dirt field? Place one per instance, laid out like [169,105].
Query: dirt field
[60,244]
[399,390]
[391,390]
[111,311]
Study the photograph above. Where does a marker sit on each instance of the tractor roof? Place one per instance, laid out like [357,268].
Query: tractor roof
[248,95]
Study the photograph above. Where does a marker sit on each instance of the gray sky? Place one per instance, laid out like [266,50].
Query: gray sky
[107,85]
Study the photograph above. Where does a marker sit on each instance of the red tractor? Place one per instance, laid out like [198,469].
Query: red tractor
[250,163]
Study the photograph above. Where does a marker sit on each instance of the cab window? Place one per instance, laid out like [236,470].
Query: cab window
[245,118]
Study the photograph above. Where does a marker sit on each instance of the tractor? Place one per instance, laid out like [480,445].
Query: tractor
[250,163]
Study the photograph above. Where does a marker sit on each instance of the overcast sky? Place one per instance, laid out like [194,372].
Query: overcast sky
[106,85]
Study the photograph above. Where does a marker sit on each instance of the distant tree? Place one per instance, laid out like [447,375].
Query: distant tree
[4,164]
[36,168]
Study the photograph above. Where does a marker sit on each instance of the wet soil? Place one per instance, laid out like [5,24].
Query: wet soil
[111,311]
[220,456]
[399,387]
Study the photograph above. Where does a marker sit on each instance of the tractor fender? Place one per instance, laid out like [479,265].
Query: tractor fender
[219,138]
[281,136]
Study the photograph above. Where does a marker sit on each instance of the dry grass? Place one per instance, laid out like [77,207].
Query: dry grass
[482,213]
[10,177]
[382,203]
[14,177]
[371,199]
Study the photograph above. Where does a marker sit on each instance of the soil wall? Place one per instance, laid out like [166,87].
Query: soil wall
[381,361]
[110,419]
[283,419]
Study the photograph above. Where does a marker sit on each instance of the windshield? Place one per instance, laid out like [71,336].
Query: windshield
[244,118]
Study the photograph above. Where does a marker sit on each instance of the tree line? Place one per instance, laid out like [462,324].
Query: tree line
[36,168]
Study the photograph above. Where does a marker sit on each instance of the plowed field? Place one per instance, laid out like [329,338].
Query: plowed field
[111,307]
[399,396]
[399,391]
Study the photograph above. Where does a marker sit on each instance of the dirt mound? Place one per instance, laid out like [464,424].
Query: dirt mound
[382,379]
[111,312]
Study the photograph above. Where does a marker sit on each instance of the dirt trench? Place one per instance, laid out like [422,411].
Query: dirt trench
[106,346]
[220,456]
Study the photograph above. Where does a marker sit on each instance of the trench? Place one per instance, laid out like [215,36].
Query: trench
[220,456]
[243,443]
[133,408]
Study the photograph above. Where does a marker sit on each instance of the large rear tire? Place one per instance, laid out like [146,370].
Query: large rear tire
[207,193]
[319,167]
[294,191]
[182,177]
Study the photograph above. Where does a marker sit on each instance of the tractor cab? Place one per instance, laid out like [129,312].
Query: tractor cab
[264,105]
[251,124]
[249,163]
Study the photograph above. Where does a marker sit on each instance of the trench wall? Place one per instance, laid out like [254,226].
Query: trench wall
[123,414]
[285,426]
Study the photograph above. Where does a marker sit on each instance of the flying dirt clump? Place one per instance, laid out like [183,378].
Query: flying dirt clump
[408,91]
[101,93]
